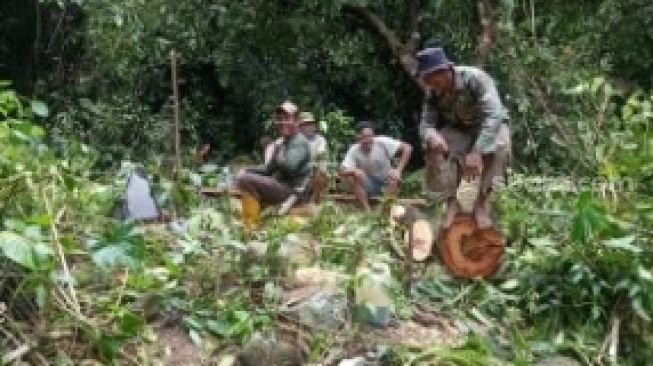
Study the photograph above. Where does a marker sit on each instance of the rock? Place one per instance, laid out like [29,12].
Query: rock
[324,310]
[295,250]
[357,361]
[314,298]
[264,351]
[315,276]
[257,249]
[298,249]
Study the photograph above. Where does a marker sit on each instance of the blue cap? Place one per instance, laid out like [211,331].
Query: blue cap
[430,60]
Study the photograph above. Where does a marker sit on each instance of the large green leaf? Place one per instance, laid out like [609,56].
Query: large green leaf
[39,108]
[113,255]
[589,219]
[109,346]
[120,245]
[131,324]
[17,248]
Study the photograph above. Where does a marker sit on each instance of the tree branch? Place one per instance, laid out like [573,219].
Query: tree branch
[401,50]
[415,19]
[488,36]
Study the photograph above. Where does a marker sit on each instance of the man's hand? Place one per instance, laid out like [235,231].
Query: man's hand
[394,174]
[359,174]
[473,165]
[278,152]
[436,141]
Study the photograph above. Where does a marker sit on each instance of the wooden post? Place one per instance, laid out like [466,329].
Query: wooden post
[175,112]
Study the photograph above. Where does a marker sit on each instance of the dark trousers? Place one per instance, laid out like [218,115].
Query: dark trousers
[266,190]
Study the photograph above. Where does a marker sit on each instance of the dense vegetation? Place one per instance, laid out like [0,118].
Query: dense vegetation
[85,89]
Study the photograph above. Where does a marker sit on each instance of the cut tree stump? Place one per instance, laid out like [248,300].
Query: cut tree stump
[468,251]
[465,250]
[419,236]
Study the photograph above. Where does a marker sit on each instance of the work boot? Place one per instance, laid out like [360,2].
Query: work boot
[482,210]
[453,209]
[251,210]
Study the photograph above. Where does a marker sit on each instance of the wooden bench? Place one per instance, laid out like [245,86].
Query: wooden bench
[337,197]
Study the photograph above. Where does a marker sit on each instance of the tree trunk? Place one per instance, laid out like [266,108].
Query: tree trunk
[488,36]
[404,51]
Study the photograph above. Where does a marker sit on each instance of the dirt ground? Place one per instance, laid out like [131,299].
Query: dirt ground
[176,347]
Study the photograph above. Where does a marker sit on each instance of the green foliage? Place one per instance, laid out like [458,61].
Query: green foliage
[589,219]
[339,131]
[563,280]
[26,245]
[473,352]
[119,245]
[226,319]
[412,184]
[127,326]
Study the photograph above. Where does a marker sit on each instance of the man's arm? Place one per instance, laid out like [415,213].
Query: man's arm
[322,149]
[431,138]
[319,152]
[406,150]
[348,165]
[492,112]
[428,119]
[260,169]
[269,166]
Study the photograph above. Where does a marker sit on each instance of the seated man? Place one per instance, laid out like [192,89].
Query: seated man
[319,157]
[201,157]
[368,164]
[286,173]
[316,141]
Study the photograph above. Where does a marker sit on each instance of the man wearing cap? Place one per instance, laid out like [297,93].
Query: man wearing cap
[316,141]
[368,164]
[284,174]
[463,129]
[318,145]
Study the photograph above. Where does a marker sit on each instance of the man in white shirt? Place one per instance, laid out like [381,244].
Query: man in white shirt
[368,164]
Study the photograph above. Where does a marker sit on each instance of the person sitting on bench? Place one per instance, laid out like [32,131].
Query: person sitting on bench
[319,156]
[368,164]
[284,176]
